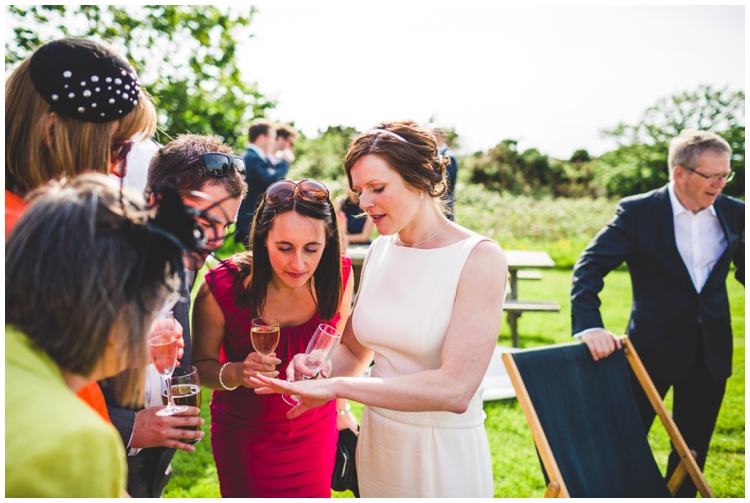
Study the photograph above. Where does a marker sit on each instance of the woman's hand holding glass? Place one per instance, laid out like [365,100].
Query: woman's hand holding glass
[164,351]
[264,336]
[164,323]
[255,364]
[317,357]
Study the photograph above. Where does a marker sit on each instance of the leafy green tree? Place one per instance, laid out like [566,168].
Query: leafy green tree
[496,169]
[323,157]
[580,156]
[639,163]
[186,57]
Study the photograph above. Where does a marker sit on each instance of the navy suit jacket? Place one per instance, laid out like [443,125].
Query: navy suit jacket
[259,175]
[668,314]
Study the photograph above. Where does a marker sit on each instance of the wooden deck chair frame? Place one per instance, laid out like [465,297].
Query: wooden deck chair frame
[556,487]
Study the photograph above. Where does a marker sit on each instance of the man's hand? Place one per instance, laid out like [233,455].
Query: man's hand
[601,343]
[151,430]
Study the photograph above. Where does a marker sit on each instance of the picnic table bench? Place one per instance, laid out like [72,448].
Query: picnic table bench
[519,261]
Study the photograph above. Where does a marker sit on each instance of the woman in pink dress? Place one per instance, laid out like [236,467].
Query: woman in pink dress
[296,274]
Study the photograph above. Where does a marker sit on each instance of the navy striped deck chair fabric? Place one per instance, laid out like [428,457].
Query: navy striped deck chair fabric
[589,416]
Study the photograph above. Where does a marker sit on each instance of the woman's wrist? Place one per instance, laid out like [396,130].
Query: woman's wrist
[226,378]
[338,383]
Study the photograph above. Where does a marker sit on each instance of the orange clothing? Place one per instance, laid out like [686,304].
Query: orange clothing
[14,207]
[92,395]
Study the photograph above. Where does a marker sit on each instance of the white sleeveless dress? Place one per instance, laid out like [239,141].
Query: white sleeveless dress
[402,313]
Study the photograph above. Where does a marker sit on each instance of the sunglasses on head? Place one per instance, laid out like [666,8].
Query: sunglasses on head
[217,164]
[309,190]
[118,157]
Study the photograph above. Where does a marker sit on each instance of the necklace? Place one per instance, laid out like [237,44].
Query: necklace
[424,240]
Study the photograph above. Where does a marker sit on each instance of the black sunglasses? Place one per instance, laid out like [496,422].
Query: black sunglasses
[217,164]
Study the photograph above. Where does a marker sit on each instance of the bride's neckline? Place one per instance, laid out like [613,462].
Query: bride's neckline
[392,241]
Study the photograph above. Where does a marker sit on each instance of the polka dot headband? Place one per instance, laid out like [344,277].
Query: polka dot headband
[85,80]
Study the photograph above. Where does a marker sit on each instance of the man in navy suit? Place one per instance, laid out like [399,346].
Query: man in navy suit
[260,173]
[678,243]
[451,170]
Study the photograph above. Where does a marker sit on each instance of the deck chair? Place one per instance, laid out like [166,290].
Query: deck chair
[586,427]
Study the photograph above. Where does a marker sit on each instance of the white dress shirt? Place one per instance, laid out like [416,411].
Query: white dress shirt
[700,241]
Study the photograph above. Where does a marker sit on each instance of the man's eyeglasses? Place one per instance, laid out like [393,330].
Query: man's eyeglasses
[309,190]
[726,177]
[217,164]
[118,157]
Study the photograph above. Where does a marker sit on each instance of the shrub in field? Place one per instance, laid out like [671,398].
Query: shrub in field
[561,226]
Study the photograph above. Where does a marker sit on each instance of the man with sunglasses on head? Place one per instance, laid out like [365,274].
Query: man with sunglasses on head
[678,243]
[211,180]
[261,173]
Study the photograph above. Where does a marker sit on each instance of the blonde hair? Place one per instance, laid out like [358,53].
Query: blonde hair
[33,157]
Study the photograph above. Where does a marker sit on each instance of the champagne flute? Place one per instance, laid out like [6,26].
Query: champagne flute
[319,349]
[264,335]
[163,345]
[186,390]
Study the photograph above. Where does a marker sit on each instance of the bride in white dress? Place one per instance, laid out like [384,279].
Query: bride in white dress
[428,311]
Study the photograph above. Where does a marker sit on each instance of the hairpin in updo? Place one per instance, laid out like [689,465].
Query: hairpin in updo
[388,133]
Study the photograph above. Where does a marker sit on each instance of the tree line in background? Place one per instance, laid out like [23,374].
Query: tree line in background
[638,164]
[186,56]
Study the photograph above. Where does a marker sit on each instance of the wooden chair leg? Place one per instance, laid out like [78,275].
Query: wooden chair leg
[553,490]
[687,459]
[679,475]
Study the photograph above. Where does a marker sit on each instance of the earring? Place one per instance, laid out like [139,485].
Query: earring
[421,195]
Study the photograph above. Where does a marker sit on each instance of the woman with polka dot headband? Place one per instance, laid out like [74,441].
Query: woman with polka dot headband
[74,106]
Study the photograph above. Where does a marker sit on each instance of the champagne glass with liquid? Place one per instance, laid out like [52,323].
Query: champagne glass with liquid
[264,335]
[319,350]
[186,390]
[163,346]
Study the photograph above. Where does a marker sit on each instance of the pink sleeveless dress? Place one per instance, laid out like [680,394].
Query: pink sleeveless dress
[259,453]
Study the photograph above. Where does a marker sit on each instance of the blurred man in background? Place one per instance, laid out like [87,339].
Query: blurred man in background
[283,151]
[260,172]
[451,170]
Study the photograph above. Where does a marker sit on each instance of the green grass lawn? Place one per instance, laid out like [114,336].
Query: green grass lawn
[515,463]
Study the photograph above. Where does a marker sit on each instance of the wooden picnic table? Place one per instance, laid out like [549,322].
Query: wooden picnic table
[519,261]
[525,259]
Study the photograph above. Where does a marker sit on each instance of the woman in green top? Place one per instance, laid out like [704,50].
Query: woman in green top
[86,270]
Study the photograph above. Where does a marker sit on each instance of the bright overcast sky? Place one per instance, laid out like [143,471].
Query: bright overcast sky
[550,76]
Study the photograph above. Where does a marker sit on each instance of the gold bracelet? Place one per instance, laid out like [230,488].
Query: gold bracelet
[346,409]
[221,371]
